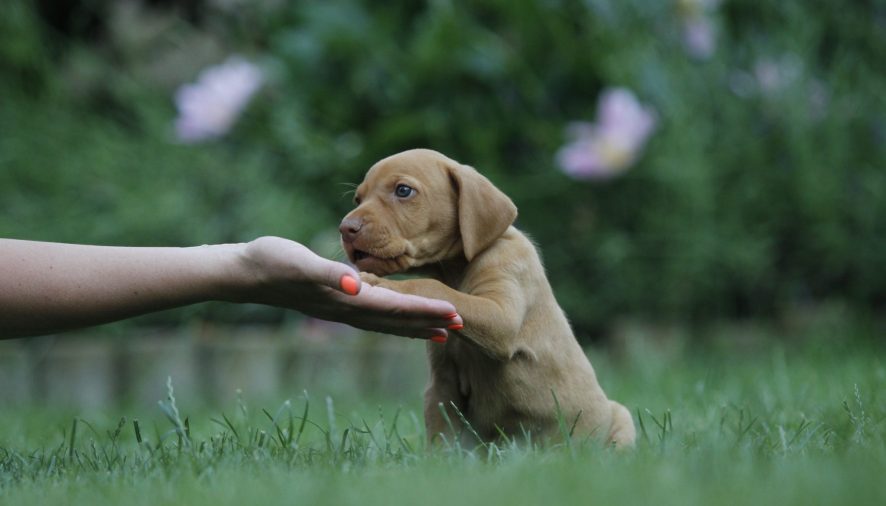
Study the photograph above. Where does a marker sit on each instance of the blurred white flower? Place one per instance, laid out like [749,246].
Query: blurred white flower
[699,31]
[777,75]
[819,99]
[209,107]
[775,78]
[611,145]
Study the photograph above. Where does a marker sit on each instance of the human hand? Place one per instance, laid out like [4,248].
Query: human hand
[283,273]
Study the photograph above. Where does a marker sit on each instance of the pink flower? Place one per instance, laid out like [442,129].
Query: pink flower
[611,145]
[699,31]
[209,107]
[700,37]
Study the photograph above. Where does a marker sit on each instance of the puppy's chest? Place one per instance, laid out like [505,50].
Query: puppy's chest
[482,379]
[475,372]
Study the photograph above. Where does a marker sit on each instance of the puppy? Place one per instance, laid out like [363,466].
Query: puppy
[515,367]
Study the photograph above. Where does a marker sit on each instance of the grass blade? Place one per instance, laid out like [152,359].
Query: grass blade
[72,439]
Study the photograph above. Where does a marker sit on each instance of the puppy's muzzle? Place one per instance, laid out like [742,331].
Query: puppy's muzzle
[349,229]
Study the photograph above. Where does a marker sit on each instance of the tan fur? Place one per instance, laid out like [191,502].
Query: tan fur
[516,350]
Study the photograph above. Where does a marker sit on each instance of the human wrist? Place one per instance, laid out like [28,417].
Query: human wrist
[230,275]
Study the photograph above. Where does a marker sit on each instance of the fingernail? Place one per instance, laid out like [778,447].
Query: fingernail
[456,326]
[439,339]
[349,285]
[451,316]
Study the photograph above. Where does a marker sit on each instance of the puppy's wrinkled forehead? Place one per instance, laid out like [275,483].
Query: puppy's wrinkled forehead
[421,167]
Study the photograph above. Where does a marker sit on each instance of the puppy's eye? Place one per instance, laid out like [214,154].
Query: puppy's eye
[403,191]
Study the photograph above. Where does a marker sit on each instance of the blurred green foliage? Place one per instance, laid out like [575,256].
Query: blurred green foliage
[753,197]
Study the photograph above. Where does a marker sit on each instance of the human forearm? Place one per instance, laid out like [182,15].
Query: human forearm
[46,287]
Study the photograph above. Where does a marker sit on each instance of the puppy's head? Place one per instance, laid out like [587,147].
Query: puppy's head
[419,207]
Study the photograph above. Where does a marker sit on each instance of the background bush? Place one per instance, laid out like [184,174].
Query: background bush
[756,195]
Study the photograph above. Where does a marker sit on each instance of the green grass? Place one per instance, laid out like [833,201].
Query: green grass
[790,423]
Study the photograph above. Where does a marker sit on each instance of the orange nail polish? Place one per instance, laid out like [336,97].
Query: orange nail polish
[456,326]
[439,339]
[348,285]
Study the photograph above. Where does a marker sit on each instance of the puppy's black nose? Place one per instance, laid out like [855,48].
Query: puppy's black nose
[349,228]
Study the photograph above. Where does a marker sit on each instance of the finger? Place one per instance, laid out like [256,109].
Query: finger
[381,310]
[415,326]
[335,275]
[349,284]
[383,299]
[346,279]
[447,322]
[436,335]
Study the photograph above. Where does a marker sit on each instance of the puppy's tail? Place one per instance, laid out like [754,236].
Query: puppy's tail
[622,433]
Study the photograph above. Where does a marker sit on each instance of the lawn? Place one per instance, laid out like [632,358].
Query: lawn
[757,420]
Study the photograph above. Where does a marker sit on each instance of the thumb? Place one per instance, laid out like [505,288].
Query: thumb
[323,271]
[335,275]
[344,279]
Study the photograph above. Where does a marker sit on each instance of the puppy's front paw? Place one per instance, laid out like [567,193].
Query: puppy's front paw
[369,278]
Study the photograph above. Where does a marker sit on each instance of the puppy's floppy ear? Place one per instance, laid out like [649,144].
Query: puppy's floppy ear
[484,211]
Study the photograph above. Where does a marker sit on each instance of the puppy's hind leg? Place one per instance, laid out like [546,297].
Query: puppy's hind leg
[622,433]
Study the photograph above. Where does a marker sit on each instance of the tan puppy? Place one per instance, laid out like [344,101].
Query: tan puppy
[421,212]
